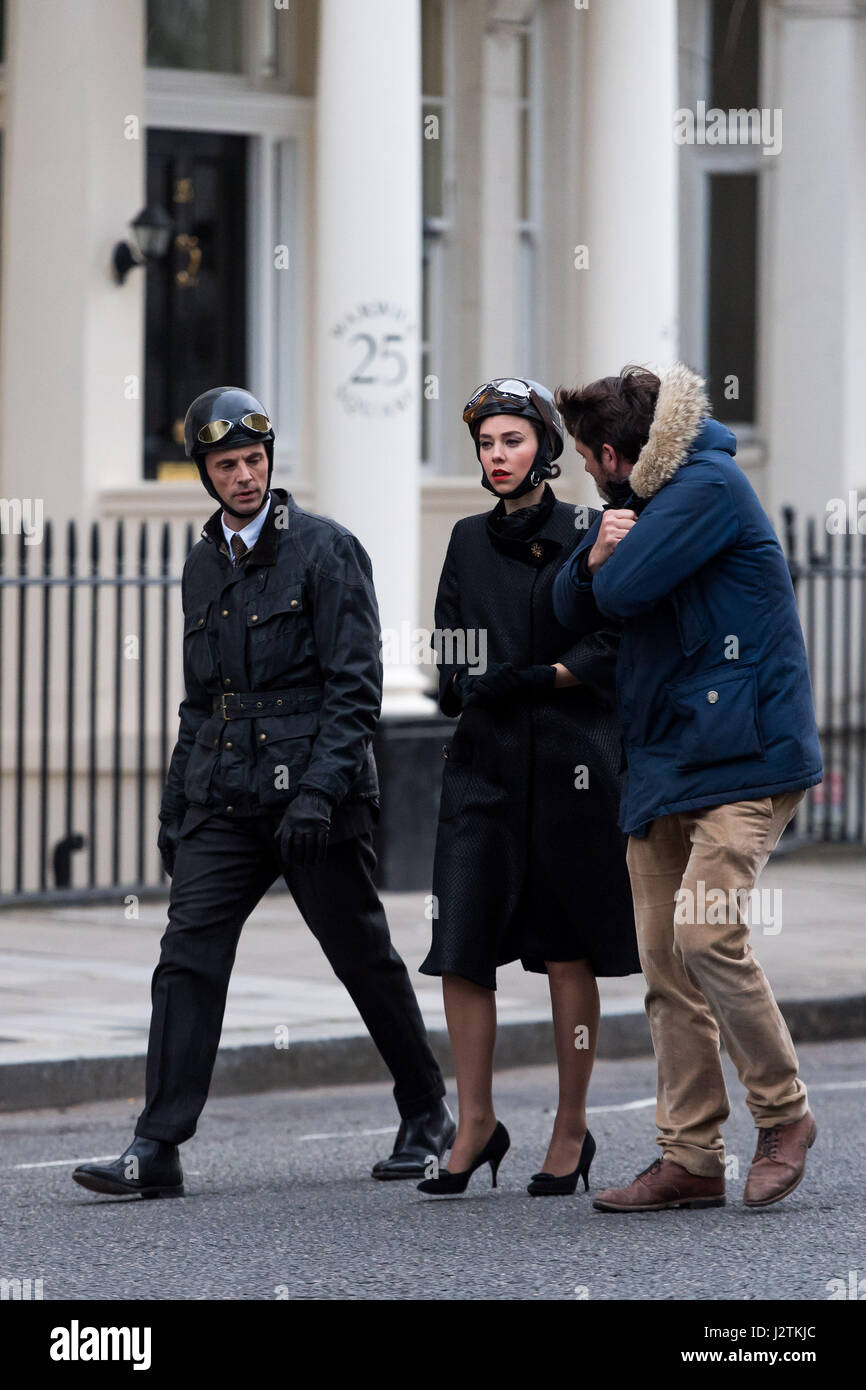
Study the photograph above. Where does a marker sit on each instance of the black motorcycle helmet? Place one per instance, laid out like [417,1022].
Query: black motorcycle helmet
[224,418]
[518,396]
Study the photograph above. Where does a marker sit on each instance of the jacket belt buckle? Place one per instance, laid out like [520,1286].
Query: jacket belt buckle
[224,711]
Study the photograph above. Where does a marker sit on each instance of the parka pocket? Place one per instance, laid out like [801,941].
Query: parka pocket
[198,651]
[720,707]
[693,620]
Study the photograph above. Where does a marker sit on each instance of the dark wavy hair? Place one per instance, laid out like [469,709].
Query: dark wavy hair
[616,410]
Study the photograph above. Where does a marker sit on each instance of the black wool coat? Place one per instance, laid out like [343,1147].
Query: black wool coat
[529,861]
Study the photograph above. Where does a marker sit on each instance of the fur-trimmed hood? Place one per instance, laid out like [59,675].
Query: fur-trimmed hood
[681,409]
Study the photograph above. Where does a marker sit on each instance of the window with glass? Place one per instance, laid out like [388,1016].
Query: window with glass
[258,42]
[197,35]
[720,187]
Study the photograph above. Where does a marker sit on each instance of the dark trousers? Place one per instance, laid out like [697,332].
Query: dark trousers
[222,869]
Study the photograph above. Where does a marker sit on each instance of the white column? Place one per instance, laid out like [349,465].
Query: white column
[368,265]
[70,420]
[815,336]
[498,174]
[628,213]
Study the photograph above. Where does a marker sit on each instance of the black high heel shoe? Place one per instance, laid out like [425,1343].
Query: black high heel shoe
[546,1185]
[494,1151]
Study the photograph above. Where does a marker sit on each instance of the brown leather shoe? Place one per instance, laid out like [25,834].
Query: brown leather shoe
[663,1184]
[780,1161]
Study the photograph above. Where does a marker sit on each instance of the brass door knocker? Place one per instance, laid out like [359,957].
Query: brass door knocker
[187,279]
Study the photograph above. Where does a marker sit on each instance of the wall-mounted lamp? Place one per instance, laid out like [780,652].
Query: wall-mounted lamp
[151,234]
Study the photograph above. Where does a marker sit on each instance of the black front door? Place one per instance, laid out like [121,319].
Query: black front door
[196,296]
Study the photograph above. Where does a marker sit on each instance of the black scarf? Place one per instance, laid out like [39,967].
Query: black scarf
[512,532]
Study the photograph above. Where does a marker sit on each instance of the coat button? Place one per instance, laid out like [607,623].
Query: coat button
[294,603]
[258,704]
[712,696]
[227,680]
[262,738]
[228,745]
[254,618]
[201,622]
[225,612]
[230,809]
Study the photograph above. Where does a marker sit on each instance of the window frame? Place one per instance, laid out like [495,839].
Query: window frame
[438,238]
[697,164]
[279,213]
[531,304]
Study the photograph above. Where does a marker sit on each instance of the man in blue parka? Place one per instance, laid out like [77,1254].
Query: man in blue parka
[718,722]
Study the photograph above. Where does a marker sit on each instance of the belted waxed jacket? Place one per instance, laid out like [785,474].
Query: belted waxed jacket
[282,668]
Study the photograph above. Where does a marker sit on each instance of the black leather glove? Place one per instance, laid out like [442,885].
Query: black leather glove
[499,682]
[304,829]
[167,842]
[536,682]
[461,685]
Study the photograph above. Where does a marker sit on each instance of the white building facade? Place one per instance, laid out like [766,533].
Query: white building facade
[460,188]
[374,205]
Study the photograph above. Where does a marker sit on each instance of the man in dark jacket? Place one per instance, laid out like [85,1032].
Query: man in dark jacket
[273,772]
[719,729]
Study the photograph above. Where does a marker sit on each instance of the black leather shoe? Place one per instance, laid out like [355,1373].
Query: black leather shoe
[148,1168]
[418,1139]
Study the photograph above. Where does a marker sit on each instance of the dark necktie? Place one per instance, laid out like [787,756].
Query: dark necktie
[239,547]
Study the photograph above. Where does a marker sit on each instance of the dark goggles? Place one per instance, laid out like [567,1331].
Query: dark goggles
[510,390]
[215,430]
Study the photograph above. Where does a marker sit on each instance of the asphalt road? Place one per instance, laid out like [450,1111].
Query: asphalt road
[280,1204]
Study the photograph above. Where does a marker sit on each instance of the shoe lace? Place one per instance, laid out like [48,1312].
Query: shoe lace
[653,1168]
[768,1142]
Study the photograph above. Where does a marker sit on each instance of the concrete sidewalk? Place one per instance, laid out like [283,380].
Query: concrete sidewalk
[74,990]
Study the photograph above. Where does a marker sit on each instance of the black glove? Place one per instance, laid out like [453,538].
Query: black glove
[461,685]
[499,682]
[167,842]
[303,831]
[536,682]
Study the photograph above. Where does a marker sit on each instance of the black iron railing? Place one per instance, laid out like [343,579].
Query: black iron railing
[829,575]
[89,687]
[90,680]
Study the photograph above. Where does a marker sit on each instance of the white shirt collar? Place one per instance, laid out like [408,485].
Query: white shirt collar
[249,534]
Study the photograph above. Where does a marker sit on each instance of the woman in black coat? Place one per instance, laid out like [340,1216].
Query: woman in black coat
[529,861]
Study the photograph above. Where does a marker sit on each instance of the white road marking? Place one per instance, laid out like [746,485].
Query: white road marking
[641,1104]
[836,1085]
[59,1162]
[349,1134]
[629,1105]
[392,1129]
